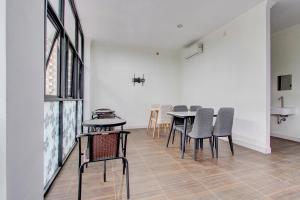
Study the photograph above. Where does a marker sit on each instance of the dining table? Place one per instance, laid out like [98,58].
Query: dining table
[185,116]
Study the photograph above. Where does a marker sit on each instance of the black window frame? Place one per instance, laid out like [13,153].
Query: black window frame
[77,60]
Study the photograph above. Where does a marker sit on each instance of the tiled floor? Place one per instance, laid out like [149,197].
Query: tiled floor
[157,173]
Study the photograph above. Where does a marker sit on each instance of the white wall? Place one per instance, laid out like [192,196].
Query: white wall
[233,71]
[111,80]
[3,99]
[286,60]
[25,99]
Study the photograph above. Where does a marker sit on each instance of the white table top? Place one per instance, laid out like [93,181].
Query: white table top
[103,111]
[184,114]
[107,122]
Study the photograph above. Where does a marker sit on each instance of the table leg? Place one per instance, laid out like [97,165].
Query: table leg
[171,129]
[122,140]
[184,138]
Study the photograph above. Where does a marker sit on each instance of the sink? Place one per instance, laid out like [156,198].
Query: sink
[289,110]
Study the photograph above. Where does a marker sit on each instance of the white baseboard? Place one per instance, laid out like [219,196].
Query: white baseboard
[286,137]
[249,143]
[253,146]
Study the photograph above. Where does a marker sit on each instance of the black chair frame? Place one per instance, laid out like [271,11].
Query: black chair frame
[120,134]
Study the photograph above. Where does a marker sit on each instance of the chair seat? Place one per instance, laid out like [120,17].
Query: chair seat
[221,134]
[197,136]
[181,128]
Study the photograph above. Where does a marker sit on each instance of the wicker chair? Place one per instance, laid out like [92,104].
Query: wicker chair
[102,146]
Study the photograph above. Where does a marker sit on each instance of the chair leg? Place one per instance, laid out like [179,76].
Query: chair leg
[150,126]
[104,172]
[195,149]
[158,128]
[231,144]
[124,166]
[173,136]
[181,135]
[201,144]
[127,177]
[154,129]
[216,146]
[80,181]
[149,123]
[169,138]
[211,146]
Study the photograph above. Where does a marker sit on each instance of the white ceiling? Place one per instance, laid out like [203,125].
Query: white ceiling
[153,23]
[285,13]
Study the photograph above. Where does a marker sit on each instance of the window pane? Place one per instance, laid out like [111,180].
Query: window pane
[51,32]
[79,117]
[79,44]
[70,73]
[51,70]
[55,5]
[81,75]
[70,22]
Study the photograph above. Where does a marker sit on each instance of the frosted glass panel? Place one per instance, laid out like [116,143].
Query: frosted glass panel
[69,124]
[51,137]
[79,117]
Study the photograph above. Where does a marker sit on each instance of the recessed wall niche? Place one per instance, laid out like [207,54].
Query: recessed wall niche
[284,82]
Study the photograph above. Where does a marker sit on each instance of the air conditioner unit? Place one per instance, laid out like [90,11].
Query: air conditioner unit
[192,50]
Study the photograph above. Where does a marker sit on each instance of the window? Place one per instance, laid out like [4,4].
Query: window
[56,6]
[80,81]
[51,35]
[70,22]
[70,70]
[79,50]
[52,62]
[63,85]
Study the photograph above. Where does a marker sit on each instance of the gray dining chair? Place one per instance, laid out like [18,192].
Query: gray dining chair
[223,127]
[202,128]
[178,123]
[194,108]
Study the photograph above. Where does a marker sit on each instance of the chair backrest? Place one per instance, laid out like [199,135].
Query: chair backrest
[203,124]
[194,108]
[163,118]
[102,145]
[223,124]
[180,108]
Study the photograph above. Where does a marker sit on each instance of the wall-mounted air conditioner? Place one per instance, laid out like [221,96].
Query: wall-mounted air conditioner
[192,50]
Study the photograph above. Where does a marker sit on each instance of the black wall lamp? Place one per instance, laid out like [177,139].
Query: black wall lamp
[138,80]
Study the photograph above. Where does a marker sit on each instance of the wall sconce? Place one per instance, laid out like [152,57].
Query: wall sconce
[138,80]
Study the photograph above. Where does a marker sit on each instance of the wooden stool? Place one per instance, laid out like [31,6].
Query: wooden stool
[153,120]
